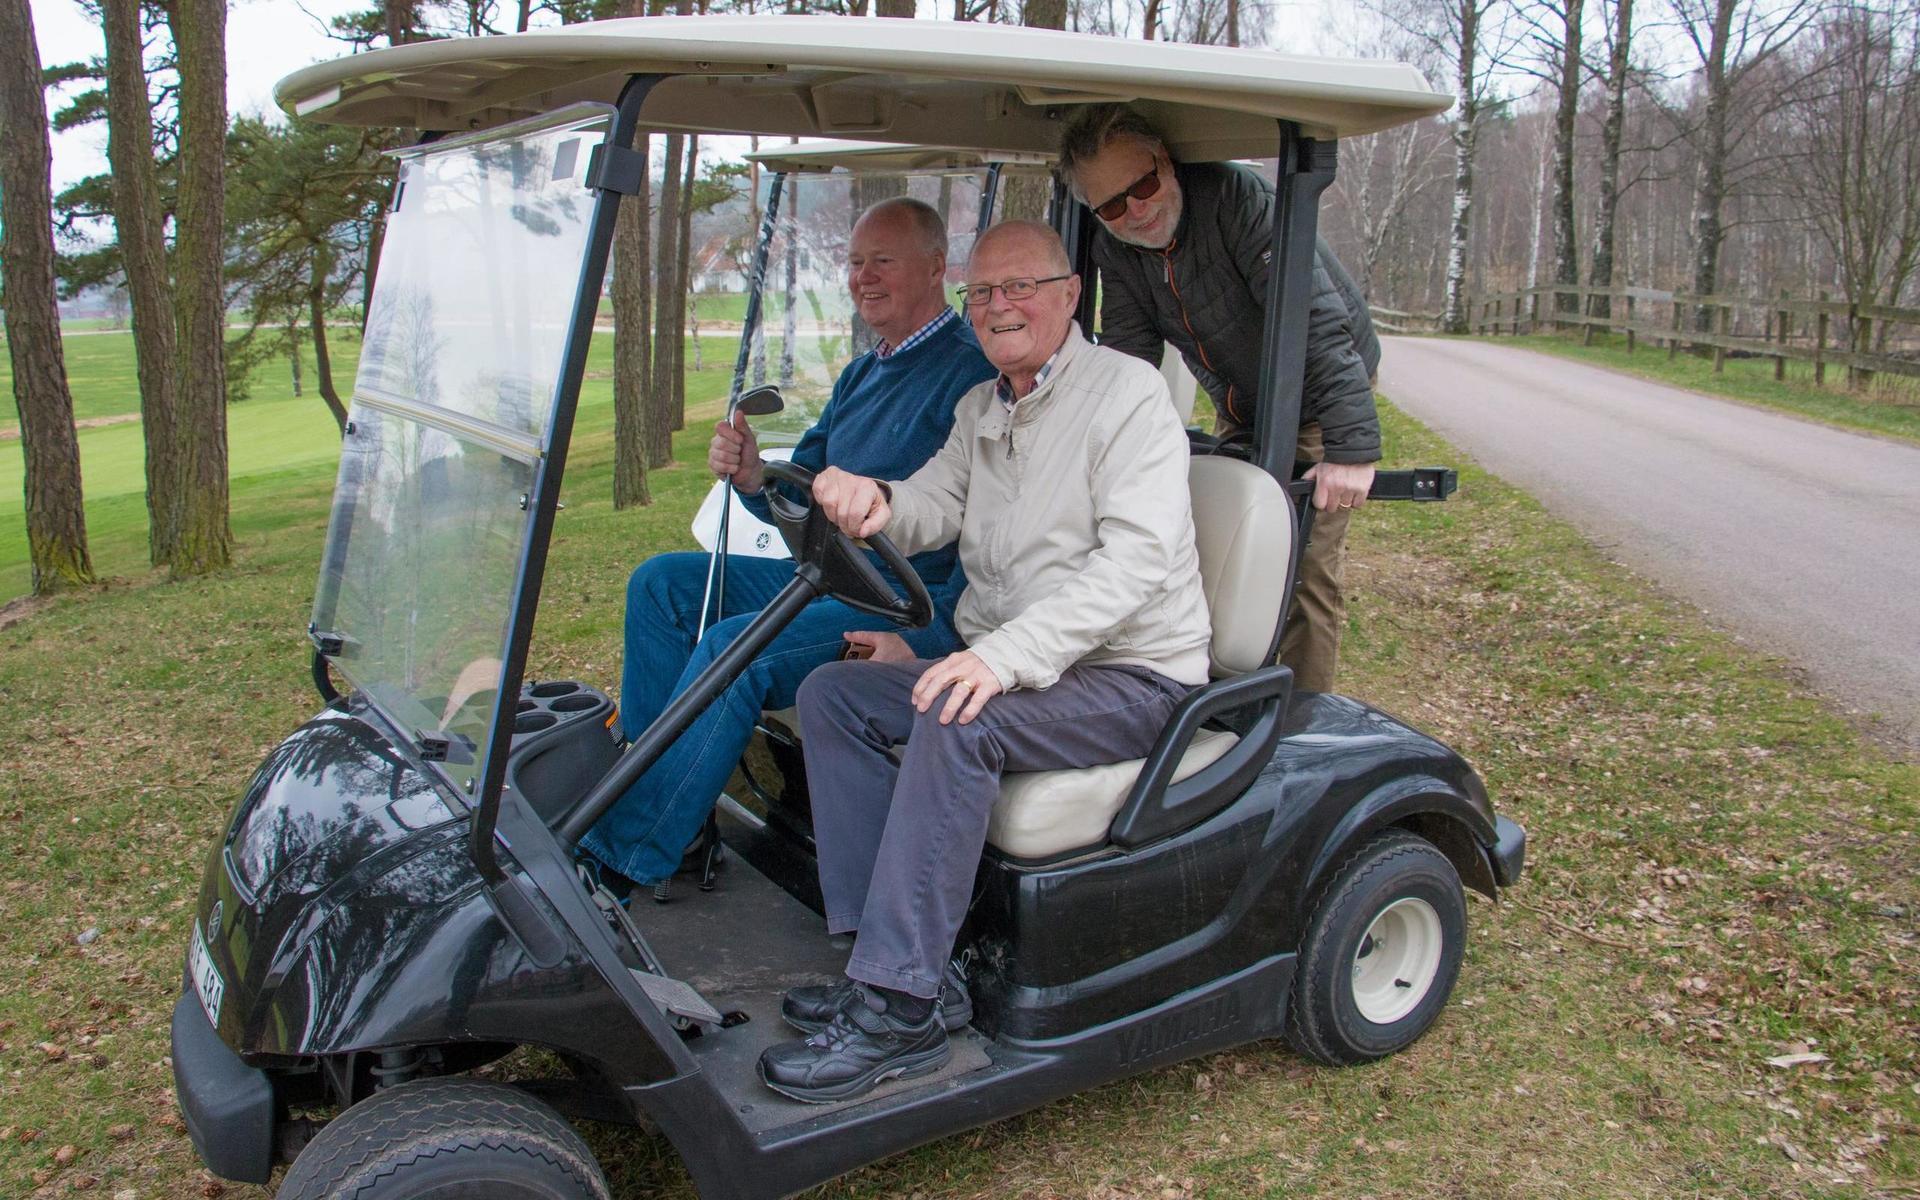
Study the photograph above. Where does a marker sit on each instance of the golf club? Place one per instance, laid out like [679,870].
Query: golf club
[763,401]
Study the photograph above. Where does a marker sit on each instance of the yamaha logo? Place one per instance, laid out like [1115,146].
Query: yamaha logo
[213,920]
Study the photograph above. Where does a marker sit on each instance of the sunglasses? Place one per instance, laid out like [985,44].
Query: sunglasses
[1143,188]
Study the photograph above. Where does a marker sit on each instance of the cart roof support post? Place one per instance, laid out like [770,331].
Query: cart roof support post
[1306,168]
[609,177]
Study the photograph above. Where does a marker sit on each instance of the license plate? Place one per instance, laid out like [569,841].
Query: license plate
[206,978]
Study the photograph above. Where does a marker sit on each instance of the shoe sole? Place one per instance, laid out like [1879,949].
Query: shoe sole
[914,1066]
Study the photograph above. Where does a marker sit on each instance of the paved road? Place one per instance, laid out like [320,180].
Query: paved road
[1803,540]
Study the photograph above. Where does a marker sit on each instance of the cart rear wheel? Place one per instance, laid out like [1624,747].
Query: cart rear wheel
[446,1139]
[1381,954]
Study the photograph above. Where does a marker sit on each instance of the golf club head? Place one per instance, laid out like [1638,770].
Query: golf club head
[763,401]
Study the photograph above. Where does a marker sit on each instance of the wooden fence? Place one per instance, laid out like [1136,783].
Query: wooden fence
[1864,339]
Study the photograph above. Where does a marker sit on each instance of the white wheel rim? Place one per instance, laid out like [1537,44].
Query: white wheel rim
[1396,962]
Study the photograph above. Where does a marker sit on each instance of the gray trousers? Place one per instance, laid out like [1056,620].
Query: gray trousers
[900,842]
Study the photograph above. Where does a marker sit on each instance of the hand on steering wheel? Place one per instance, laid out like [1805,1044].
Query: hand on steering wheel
[856,504]
[839,568]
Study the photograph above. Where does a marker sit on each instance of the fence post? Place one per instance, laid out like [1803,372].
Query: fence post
[1673,339]
[1586,328]
[1629,321]
[1515,328]
[1533,312]
[1786,319]
[1720,351]
[1853,342]
[1864,337]
[1820,345]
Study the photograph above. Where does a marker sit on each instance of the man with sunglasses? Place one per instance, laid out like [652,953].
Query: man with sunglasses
[1065,480]
[1184,256]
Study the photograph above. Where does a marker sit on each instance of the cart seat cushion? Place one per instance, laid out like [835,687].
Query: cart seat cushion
[1044,814]
[1243,530]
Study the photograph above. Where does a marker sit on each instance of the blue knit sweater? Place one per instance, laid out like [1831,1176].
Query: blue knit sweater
[885,418]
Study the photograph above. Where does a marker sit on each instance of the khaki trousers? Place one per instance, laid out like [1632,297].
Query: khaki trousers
[1310,643]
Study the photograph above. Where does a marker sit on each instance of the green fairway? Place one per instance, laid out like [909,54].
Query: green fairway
[272,438]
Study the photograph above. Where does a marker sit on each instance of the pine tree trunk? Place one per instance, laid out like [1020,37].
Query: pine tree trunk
[1566,252]
[683,287]
[56,517]
[666,274]
[632,357]
[322,267]
[202,540]
[139,225]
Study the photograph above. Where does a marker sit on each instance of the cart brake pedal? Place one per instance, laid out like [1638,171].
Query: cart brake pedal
[679,999]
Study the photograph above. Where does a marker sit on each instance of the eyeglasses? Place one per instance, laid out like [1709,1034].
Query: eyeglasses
[978,295]
[1144,188]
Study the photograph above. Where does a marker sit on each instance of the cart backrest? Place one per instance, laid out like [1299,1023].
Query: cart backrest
[1243,530]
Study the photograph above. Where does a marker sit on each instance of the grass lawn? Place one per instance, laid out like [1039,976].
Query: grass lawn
[1721,874]
[1889,406]
[269,434]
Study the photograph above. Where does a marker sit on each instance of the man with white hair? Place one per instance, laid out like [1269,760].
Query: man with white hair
[1065,480]
[890,410]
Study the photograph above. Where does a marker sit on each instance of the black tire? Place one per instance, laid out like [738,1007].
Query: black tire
[1325,1020]
[446,1139]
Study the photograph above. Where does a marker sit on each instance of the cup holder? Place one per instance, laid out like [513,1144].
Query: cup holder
[569,704]
[547,691]
[534,722]
[525,706]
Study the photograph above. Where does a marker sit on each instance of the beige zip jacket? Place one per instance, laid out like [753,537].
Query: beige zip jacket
[1074,520]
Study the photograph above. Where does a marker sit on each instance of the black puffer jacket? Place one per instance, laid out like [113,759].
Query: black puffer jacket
[1206,294]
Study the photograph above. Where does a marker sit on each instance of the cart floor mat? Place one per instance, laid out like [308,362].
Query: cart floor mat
[743,945]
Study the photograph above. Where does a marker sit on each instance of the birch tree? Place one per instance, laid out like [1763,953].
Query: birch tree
[1731,40]
[1473,38]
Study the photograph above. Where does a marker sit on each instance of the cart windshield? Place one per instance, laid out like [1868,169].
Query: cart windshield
[808,331]
[477,282]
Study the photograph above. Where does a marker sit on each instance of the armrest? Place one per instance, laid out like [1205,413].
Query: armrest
[1157,807]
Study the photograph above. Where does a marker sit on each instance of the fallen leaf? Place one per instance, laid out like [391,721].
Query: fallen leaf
[1796,1060]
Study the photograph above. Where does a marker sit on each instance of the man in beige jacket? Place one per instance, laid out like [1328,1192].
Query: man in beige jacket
[1065,480]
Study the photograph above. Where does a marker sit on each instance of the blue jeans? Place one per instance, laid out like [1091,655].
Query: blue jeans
[645,832]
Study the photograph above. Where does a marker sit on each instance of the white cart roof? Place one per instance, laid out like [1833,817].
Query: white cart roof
[820,157]
[942,83]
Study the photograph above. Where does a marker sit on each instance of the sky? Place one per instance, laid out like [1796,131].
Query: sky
[266,39]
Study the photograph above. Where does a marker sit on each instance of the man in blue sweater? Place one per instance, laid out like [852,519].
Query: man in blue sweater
[890,410]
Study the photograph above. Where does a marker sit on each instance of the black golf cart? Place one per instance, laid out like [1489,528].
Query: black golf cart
[394,903]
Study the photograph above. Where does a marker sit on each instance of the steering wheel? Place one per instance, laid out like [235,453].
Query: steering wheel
[845,573]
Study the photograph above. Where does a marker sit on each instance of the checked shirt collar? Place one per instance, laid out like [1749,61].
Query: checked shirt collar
[884,350]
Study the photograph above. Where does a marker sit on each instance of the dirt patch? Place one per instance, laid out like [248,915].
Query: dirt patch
[12,433]
[20,608]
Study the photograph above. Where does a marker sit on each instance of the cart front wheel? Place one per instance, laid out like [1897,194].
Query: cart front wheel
[446,1139]
[1381,954]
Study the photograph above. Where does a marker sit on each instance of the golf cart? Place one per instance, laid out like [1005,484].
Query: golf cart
[394,904]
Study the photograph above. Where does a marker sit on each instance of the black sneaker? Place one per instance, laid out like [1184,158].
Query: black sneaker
[810,1009]
[860,1048]
[597,876]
